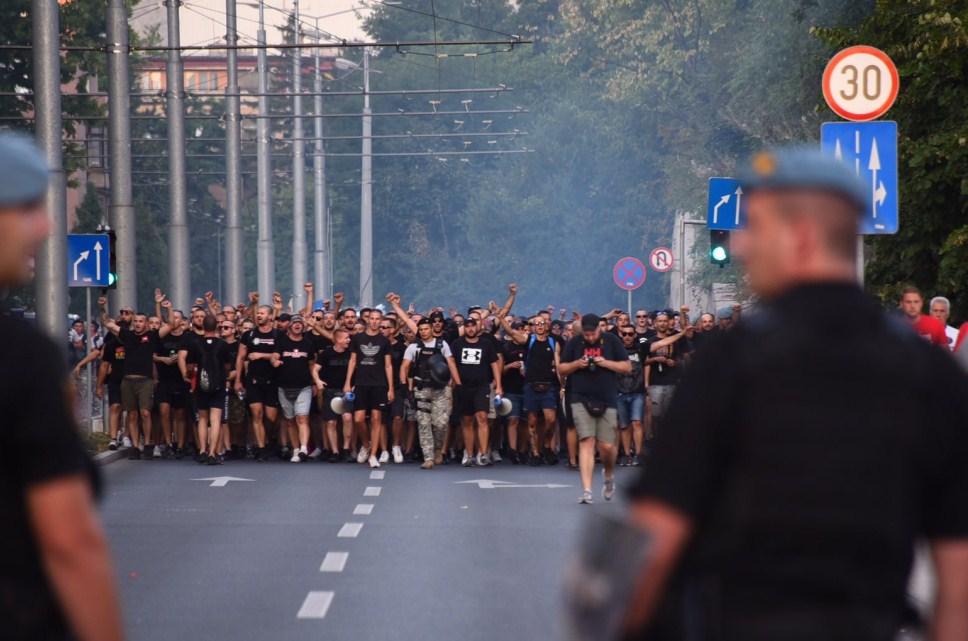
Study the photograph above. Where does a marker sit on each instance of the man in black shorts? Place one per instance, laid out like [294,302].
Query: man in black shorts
[388,327]
[110,373]
[370,371]
[172,393]
[258,384]
[478,364]
[331,365]
[212,358]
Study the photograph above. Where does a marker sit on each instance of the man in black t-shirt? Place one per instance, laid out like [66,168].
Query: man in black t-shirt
[172,393]
[370,377]
[593,362]
[396,415]
[478,364]
[56,580]
[213,359]
[137,386]
[110,374]
[258,382]
[294,361]
[331,366]
[512,382]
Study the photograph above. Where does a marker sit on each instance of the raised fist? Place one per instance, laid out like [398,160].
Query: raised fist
[513,288]
[253,297]
[102,301]
[159,296]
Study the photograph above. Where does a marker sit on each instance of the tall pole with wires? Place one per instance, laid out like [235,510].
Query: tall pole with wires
[265,252]
[321,213]
[298,172]
[52,257]
[178,255]
[233,166]
[366,192]
[121,216]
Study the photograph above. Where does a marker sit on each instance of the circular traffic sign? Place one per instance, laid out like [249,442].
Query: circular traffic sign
[629,273]
[661,259]
[860,83]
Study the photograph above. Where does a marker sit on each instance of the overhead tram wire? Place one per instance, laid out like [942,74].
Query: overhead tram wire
[346,44]
[401,7]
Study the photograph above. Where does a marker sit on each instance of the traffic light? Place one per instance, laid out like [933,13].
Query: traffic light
[718,247]
[113,260]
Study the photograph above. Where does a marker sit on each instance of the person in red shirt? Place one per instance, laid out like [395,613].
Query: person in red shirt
[927,327]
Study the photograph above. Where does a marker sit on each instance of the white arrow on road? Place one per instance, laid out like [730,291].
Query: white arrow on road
[97,260]
[878,192]
[489,484]
[722,201]
[78,262]
[739,200]
[222,481]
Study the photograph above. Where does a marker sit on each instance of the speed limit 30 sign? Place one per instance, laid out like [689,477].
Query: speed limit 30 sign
[860,83]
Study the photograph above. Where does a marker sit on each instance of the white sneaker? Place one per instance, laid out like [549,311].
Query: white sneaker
[363,455]
[159,450]
[295,457]
[374,463]
[482,460]
[468,460]
[126,441]
[384,457]
[315,454]
[397,454]
[495,457]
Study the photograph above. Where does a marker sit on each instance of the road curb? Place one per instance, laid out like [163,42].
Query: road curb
[109,456]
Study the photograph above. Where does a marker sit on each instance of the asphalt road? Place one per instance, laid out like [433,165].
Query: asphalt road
[433,558]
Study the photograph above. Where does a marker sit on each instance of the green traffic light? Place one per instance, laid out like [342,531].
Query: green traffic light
[719,254]
[112,279]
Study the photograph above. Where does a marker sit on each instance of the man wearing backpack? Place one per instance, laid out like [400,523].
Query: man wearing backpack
[422,371]
[211,355]
[541,384]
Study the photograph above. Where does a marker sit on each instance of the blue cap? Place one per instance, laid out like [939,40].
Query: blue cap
[802,167]
[724,313]
[23,170]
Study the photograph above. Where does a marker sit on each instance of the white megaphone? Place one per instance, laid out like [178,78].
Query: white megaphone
[343,404]
[502,406]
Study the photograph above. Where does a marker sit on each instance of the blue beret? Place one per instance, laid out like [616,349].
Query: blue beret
[23,170]
[802,167]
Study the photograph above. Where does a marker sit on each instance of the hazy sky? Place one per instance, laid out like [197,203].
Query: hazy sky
[202,21]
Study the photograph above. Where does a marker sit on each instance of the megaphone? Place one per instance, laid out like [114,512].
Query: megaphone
[343,404]
[502,406]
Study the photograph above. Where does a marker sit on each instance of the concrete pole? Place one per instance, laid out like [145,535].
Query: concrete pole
[51,263]
[298,174]
[265,252]
[321,213]
[234,268]
[121,212]
[366,193]
[178,254]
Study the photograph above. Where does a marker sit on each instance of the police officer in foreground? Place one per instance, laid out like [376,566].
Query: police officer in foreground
[56,579]
[808,448]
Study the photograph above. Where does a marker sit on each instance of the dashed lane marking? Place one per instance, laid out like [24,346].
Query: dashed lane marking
[316,605]
[350,530]
[334,562]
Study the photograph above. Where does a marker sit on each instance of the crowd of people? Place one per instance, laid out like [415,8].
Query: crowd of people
[336,383]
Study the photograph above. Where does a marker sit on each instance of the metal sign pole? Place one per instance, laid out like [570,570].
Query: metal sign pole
[89,395]
[630,303]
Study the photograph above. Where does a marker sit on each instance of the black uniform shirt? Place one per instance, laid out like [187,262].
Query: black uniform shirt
[810,445]
[39,442]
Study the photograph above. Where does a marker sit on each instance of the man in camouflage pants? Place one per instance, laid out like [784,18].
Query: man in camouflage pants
[433,399]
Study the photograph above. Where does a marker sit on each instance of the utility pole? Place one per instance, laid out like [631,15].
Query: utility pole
[366,193]
[320,211]
[178,255]
[298,172]
[51,263]
[234,273]
[265,253]
[121,212]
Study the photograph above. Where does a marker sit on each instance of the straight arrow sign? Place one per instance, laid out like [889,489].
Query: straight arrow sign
[878,193]
[222,481]
[739,201]
[97,260]
[490,484]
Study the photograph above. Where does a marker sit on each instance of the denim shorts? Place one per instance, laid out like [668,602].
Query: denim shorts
[631,407]
[517,405]
[535,401]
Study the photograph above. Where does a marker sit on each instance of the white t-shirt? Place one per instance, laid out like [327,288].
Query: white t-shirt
[412,349]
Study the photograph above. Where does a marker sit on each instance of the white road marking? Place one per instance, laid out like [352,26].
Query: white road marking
[377,475]
[221,481]
[372,491]
[316,605]
[334,562]
[350,530]
[364,509]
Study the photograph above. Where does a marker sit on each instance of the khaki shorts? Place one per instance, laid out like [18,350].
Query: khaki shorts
[137,393]
[604,428]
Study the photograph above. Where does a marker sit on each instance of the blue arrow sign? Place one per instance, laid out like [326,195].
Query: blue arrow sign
[871,149]
[88,260]
[725,204]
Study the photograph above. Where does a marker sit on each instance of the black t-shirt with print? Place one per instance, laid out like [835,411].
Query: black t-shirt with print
[660,374]
[296,356]
[333,366]
[259,342]
[512,381]
[138,350]
[600,384]
[371,352]
[474,361]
